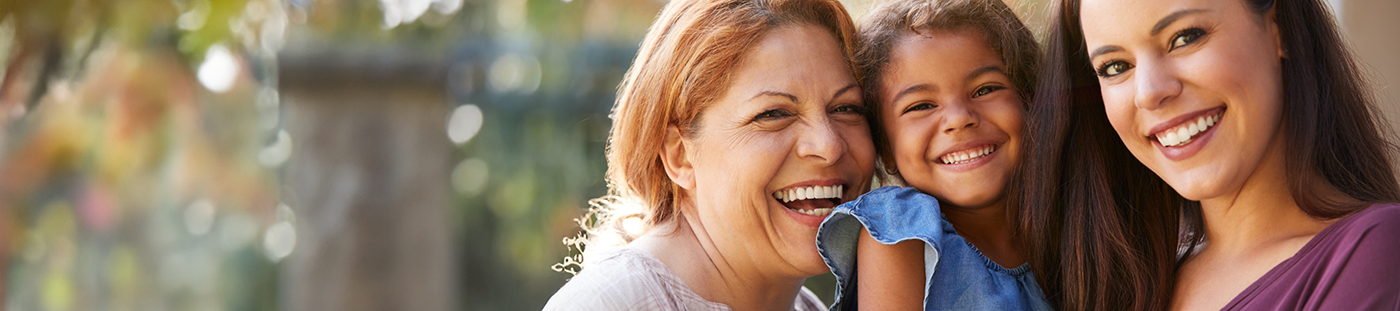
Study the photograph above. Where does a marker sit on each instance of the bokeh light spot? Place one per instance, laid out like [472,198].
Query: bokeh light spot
[278,152]
[199,217]
[511,72]
[219,70]
[279,241]
[464,123]
[470,176]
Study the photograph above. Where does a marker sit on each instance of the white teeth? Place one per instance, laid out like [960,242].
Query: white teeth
[966,155]
[1187,132]
[821,212]
[809,192]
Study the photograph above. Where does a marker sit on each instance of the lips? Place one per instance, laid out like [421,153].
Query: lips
[811,200]
[1187,132]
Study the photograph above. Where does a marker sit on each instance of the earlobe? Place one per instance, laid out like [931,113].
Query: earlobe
[675,157]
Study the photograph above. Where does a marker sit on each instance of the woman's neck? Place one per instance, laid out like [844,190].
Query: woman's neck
[1260,214]
[686,248]
[989,229]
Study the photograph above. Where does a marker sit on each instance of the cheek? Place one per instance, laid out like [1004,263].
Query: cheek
[1009,116]
[860,145]
[729,171]
[909,141]
[1119,109]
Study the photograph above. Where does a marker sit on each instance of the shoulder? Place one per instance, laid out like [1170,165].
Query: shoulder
[1363,245]
[896,213]
[892,194]
[1353,266]
[808,301]
[623,279]
[1377,225]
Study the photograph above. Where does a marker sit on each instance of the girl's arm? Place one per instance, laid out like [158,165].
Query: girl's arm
[891,277]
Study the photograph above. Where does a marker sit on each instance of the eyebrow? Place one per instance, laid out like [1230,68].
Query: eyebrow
[913,89]
[775,93]
[1105,50]
[843,90]
[984,70]
[1156,29]
[1167,21]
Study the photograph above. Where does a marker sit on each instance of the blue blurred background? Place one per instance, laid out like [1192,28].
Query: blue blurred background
[328,154]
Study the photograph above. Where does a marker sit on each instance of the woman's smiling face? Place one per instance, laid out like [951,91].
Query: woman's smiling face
[1193,87]
[787,141]
[952,116]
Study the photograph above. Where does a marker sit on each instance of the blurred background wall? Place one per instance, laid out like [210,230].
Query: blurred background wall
[331,154]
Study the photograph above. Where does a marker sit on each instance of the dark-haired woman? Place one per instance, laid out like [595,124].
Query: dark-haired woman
[1249,170]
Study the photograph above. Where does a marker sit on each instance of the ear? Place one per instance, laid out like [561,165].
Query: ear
[675,156]
[1271,18]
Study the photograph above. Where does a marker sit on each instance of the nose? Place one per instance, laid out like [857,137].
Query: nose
[958,116]
[1156,84]
[822,142]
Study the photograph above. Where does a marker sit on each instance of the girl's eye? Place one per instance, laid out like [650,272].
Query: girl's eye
[987,90]
[920,106]
[772,114]
[1185,37]
[1114,68]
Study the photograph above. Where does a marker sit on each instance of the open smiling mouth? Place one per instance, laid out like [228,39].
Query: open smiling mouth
[966,156]
[1188,131]
[811,200]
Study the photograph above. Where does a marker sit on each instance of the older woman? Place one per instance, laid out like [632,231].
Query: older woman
[738,128]
[1247,172]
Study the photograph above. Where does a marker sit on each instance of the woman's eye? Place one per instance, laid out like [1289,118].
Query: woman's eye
[1185,37]
[920,106]
[1114,68]
[851,109]
[772,114]
[987,90]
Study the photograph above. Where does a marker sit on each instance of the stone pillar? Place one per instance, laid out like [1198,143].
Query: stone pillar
[368,180]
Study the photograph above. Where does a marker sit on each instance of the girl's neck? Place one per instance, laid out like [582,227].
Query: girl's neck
[686,248]
[989,229]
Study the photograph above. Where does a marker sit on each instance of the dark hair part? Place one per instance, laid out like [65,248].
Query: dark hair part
[1113,233]
[882,28]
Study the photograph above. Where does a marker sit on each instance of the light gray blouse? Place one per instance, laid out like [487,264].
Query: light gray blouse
[627,278]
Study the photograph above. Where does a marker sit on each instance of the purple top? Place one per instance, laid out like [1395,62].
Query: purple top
[1354,264]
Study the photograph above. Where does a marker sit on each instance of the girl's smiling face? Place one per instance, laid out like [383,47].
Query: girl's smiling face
[952,116]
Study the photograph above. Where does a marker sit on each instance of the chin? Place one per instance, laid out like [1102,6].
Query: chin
[1194,191]
[970,198]
[1196,188]
[811,266]
[804,256]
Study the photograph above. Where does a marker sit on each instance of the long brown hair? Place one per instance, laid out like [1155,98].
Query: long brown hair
[1113,233]
[683,66]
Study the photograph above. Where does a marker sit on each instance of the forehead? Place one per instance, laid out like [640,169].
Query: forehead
[938,55]
[1109,19]
[793,58]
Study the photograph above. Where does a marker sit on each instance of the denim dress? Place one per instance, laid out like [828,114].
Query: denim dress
[957,276]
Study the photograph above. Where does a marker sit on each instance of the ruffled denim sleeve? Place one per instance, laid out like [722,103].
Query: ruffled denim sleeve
[892,215]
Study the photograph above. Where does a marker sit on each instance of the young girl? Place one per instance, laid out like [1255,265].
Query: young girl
[947,81]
